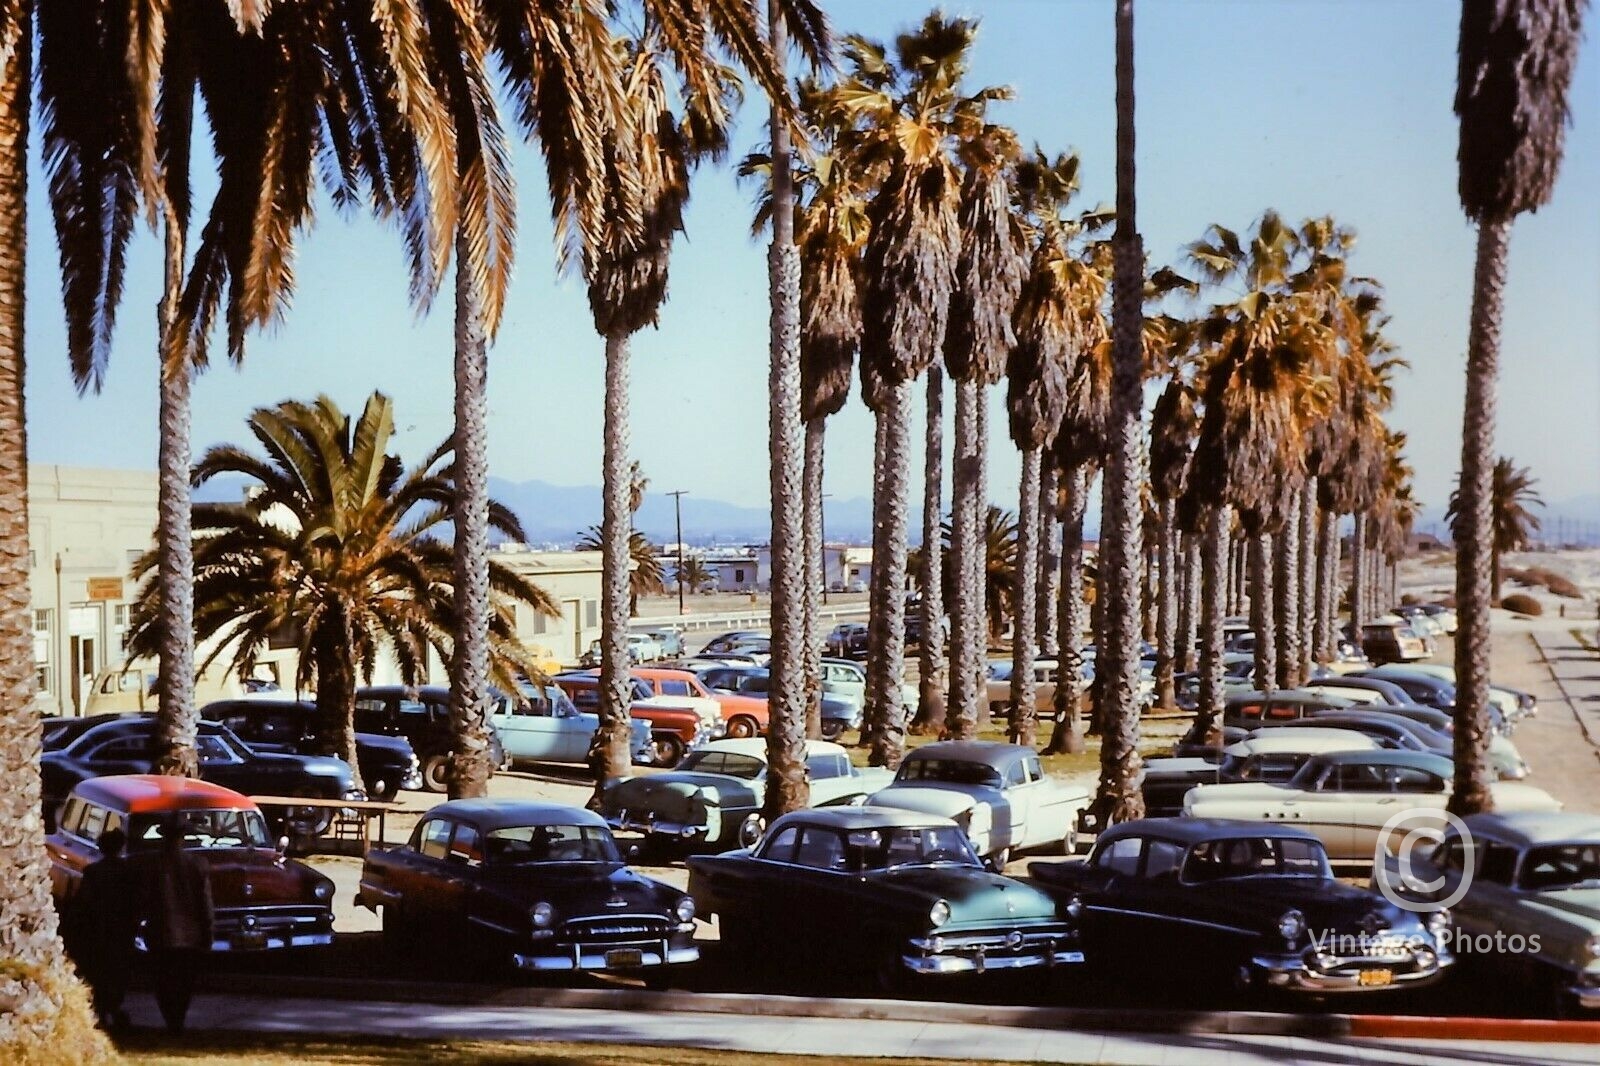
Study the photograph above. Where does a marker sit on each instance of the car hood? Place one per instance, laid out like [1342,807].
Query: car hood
[975,895]
[925,799]
[1581,906]
[244,877]
[398,748]
[1329,906]
[578,889]
[671,792]
[1516,796]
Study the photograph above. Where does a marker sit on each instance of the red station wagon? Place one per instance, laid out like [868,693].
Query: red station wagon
[262,900]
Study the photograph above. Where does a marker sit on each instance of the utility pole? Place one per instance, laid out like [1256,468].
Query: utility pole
[822,534]
[677,512]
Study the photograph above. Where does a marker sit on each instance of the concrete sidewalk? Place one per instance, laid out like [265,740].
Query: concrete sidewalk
[1563,743]
[886,1038]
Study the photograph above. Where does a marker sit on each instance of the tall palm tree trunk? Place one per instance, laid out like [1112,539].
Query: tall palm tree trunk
[931,653]
[469,667]
[45,1016]
[1117,659]
[871,710]
[1286,598]
[1166,610]
[788,787]
[1024,702]
[1214,571]
[608,751]
[887,667]
[177,717]
[1474,531]
[980,540]
[1148,599]
[1067,736]
[966,613]
[1188,604]
[1048,565]
[1327,582]
[1261,603]
[816,572]
[1306,582]
[1358,573]
[336,686]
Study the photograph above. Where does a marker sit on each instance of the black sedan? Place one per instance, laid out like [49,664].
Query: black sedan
[533,885]
[422,716]
[1253,904]
[127,745]
[387,763]
[896,892]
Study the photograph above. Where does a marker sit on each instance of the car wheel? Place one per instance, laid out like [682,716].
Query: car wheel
[743,727]
[1069,842]
[832,729]
[666,749]
[436,773]
[306,822]
[751,828]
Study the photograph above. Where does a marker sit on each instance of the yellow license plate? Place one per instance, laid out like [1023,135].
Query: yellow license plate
[624,958]
[1375,978]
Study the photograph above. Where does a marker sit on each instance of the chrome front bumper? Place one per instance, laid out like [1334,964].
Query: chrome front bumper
[1586,991]
[1295,973]
[629,822]
[598,957]
[982,952]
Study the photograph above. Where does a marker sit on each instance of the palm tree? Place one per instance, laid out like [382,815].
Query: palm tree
[1516,62]
[988,278]
[908,110]
[646,576]
[1067,736]
[1173,424]
[1512,495]
[1117,658]
[695,574]
[334,543]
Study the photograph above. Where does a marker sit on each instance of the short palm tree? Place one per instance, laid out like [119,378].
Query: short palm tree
[335,544]
[1512,497]
[1516,63]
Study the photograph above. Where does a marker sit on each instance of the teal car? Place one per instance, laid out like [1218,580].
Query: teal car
[1530,915]
[899,894]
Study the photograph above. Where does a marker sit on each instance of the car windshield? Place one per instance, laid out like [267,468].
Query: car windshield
[950,772]
[1559,866]
[891,849]
[724,762]
[1220,860]
[201,829]
[520,844]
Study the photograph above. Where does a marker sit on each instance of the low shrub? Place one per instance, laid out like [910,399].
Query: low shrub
[1522,603]
[1519,575]
[1408,600]
[1556,583]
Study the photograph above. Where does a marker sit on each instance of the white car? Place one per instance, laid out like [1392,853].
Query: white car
[998,793]
[998,687]
[643,647]
[1509,703]
[846,680]
[1346,798]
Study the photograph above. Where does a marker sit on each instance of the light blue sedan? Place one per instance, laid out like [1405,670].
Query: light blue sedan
[541,724]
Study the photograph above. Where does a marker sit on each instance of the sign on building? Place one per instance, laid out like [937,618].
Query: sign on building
[105,588]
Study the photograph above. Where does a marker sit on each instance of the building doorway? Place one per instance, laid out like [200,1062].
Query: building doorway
[571,610]
[83,667]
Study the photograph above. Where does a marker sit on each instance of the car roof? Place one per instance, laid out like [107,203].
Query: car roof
[1421,760]
[1525,828]
[664,673]
[1369,684]
[1397,670]
[756,747]
[1306,740]
[153,793]
[1198,830]
[490,814]
[429,692]
[992,752]
[1287,696]
[850,818]
[259,700]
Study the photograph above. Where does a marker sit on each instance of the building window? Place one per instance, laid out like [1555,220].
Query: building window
[591,613]
[539,623]
[42,678]
[41,621]
[738,575]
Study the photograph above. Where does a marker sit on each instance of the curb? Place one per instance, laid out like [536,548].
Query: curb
[1572,706]
[1077,1019]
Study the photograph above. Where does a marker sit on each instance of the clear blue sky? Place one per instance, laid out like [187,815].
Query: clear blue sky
[1308,107]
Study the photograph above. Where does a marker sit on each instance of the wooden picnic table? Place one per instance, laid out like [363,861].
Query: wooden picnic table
[350,817]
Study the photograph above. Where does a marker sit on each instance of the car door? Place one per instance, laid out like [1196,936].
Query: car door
[746,892]
[1406,788]
[530,730]
[831,780]
[810,900]
[1349,796]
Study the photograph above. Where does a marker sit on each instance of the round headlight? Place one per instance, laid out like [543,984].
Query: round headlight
[1075,907]
[1439,922]
[685,909]
[939,913]
[1291,925]
[1591,947]
[543,914]
[323,890]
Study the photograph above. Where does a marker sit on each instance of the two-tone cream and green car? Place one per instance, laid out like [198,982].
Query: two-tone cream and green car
[1532,906]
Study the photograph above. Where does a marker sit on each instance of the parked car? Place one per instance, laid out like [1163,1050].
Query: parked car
[1436,728]
[387,764]
[643,648]
[725,713]
[128,746]
[670,641]
[1422,687]
[1445,616]
[58,731]
[1389,639]
[1366,689]
[1251,710]
[1346,798]
[893,892]
[261,899]
[1512,704]
[541,724]
[1267,755]
[997,687]
[847,640]
[1422,623]
[1533,901]
[713,801]
[998,793]
[536,886]
[675,730]
[753,682]
[844,679]
[725,643]
[1253,905]
[422,716]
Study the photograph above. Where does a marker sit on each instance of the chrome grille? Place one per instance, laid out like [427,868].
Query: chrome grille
[622,927]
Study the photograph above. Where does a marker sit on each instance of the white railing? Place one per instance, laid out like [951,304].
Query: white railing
[700,622]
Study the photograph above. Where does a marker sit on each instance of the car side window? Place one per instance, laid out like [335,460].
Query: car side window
[1357,777]
[820,849]
[93,823]
[1035,771]
[466,846]
[1162,857]
[370,706]
[674,687]
[1016,774]
[71,815]
[822,767]
[1497,863]
[122,748]
[1409,779]
[434,839]
[780,846]
[213,750]
[1121,856]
